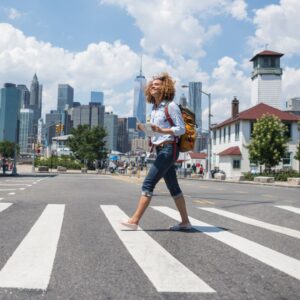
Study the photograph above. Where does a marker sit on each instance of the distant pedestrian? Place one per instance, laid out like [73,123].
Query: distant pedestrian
[160,92]
[4,165]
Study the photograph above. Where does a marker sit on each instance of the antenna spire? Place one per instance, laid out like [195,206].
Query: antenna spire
[141,66]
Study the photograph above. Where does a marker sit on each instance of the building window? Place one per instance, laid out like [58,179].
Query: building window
[224,134]
[236,164]
[220,135]
[288,133]
[237,131]
[251,128]
[229,133]
[286,160]
[215,136]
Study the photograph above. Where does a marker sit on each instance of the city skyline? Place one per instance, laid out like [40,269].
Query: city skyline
[195,41]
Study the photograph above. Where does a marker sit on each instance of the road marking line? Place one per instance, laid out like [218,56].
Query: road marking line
[1,199]
[254,222]
[277,260]
[4,206]
[289,208]
[203,201]
[267,195]
[158,264]
[13,184]
[31,264]
[241,192]
[11,194]
[5,190]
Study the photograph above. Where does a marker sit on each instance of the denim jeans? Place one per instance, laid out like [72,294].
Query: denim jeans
[163,167]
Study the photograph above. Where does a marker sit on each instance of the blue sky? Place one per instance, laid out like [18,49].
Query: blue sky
[96,45]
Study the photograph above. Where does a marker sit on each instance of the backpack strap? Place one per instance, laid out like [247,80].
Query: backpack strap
[169,119]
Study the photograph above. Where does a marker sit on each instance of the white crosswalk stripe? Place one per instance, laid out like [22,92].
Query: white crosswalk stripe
[4,206]
[31,264]
[289,208]
[159,266]
[254,222]
[277,260]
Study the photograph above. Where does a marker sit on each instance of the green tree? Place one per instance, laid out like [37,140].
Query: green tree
[7,148]
[297,155]
[88,144]
[268,144]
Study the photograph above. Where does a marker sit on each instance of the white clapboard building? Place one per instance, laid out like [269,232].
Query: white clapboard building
[231,137]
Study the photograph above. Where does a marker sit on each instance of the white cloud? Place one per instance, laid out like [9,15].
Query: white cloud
[278,26]
[13,14]
[228,80]
[238,9]
[174,27]
[290,83]
[100,66]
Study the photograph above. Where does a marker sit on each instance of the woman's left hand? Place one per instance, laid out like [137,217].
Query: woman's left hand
[155,128]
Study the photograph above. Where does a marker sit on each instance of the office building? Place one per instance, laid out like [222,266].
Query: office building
[35,101]
[26,137]
[52,118]
[111,127]
[195,103]
[10,105]
[91,115]
[65,97]
[266,79]
[122,137]
[25,95]
[293,105]
[183,101]
[139,101]
[97,97]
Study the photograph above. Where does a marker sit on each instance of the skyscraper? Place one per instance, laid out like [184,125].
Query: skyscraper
[35,102]
[25,95]
[10,104]
[97,97]
[195,103]
[111,127]
[92,115]
[139,101]
[26,130]
[65,97]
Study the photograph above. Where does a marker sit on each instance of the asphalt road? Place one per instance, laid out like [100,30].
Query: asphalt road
[60,238]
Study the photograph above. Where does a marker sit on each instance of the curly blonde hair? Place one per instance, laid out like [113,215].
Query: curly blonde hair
[168,88]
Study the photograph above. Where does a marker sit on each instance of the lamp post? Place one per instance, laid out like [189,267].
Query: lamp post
[209,145]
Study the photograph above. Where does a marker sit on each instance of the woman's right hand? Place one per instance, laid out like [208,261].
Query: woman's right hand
[139,126]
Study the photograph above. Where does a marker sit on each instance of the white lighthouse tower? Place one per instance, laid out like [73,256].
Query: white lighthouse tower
[266,79]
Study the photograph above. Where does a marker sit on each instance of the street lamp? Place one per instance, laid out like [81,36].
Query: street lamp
[209,145]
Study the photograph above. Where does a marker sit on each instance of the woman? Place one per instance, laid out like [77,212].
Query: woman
[160,92]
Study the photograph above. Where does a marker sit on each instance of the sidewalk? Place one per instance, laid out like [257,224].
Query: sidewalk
[26,170]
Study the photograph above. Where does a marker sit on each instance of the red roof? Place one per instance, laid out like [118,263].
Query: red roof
[267,53]
[257,112]
[231,151]
[195,155]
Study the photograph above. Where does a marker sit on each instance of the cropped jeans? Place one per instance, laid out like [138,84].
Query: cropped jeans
[163,167]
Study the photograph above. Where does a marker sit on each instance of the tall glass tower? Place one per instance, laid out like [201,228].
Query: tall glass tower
[97,97]
[26,130]
[65,97]
[139,101]
[195,102]
[10,104]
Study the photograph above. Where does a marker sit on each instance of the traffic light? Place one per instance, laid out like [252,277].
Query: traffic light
[57,128]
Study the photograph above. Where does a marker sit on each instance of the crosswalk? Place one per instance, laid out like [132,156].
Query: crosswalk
[30,265]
